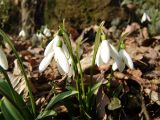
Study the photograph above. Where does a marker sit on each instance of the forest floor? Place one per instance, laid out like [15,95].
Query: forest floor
[140,93]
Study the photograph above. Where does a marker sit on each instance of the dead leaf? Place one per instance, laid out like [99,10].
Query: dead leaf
[145,33]
[101,101]
[153,95]
[19,84]
[18,81]
[16,69]
[131,28]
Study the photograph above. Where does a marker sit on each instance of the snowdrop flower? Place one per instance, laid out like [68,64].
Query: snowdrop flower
[40,36]
[57,49]
[105,51]
[145,17]
[46,32]
[125,59]
[22,33]
[3,60]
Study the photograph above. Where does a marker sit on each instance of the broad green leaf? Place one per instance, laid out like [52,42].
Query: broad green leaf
[46,113]
[90,98]
[8,40]
[60,97]
[114,104]
[18,102]
[9,111]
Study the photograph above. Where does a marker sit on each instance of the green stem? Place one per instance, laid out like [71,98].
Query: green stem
[7,39]
[97,42]
[110,79]
[81,72]
[78,79]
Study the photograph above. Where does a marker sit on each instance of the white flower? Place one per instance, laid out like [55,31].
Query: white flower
[50,47]
[3,60]
[125,59]
[62,60]
[46,32]
[145,17]
[60,54]
[40,36]
[105,51]
[45,62]
[22,33]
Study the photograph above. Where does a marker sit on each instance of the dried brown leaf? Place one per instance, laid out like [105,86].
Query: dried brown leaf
[101,101]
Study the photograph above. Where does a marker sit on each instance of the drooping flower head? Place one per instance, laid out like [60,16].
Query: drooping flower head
[145,18]
[57,49]
[22,33]
[105,52]
[124,59]
[46,32]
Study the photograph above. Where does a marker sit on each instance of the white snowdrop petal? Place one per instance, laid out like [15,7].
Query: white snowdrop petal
[121,66]
[98,60]
[105,51]
[60,69]
[148,18]
[114,66]
[114,52]
[3,60]
[55,41]
[61,59]
[45,62]
[144,17]
[50,47]
[22,33]
[118,64]
[47,32]
[71,72]
[65,51]
[127,59]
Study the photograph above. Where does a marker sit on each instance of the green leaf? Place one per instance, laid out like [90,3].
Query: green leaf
[9,111]
[114,104]
[18,103]
[8,40]
[46,113]
[90,98]
[60,97]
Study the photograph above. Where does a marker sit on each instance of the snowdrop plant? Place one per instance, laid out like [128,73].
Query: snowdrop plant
[57,49]
[145,18]
[22,33]
[124,59]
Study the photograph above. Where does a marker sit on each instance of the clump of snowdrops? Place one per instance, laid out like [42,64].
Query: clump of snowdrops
[68,63]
